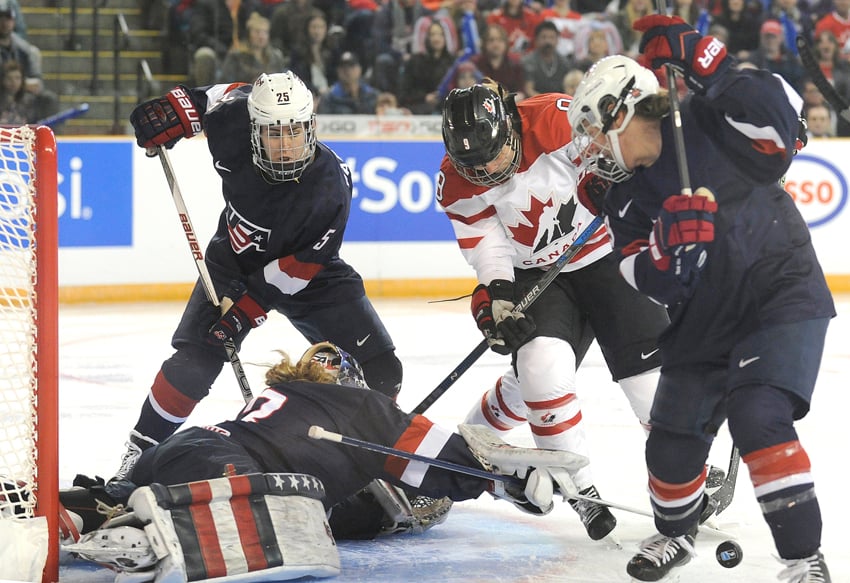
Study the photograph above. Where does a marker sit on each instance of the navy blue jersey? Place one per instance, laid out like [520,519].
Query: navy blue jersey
[274,427]
[761,269]
[277,238]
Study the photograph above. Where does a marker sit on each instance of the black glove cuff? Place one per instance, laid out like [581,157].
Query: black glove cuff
[501,289]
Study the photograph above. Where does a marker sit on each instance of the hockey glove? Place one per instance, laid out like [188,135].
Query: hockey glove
[237,321]
[684,225]
[701,60]
[591,191]
[492,308]
[164,120]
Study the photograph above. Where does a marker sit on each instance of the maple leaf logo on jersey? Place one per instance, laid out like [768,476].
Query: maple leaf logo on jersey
[544,223]
[244,234]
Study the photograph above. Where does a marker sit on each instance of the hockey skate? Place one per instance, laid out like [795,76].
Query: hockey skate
[596,518]
[135,446]
[408,514]
[659,555]
[809,570]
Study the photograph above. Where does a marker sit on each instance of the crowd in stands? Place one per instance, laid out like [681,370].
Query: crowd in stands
[404,56]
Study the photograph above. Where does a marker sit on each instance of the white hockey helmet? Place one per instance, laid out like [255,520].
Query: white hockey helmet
[283,126]
[614,84]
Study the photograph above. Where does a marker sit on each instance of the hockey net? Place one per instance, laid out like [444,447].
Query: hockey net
[28,349]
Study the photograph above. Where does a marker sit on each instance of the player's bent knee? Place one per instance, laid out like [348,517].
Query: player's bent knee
[761,416]
[675,458]
[383,373]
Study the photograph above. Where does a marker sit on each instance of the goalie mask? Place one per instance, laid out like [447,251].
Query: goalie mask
[283,126]
[479,136]
[615,84]
[341,365]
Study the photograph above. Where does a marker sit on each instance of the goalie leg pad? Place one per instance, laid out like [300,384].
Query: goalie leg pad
[256,527]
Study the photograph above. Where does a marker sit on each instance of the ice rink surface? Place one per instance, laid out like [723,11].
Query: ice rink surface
[109,354]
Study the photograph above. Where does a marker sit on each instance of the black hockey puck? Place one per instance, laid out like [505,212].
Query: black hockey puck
[729,554]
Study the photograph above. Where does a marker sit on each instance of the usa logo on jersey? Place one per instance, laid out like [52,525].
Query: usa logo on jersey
[244,234]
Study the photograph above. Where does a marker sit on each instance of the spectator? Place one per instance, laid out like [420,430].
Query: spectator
[836,70]
[288,24]
[387,106]
[623,20]
[464,75]
[793,19]
[425,70]
[519,22]
[216,26]
[742,24]
[358,25]
[393,33]
[773,56]
[14,7]
[595,42]
[350,94]
[28,57]
[567,21]
[544,67]
[838,23]
[313,61]
[470,23]
[571,81]
[687,10]
[17,105]
[820,121]
[255,56]
[591,7]
[498,64]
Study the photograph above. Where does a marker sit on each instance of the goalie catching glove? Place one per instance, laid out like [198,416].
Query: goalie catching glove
[535,472]
[493,309]
[669,40]
[164,120]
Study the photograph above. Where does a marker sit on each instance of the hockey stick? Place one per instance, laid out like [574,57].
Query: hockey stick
[722,498]
[523,304]
[198,256]
[824,86]
[317,432]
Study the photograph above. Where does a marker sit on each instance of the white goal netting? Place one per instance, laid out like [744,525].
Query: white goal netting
[29,356]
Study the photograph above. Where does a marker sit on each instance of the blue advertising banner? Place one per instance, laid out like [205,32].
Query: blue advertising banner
[95,194]
[394,190]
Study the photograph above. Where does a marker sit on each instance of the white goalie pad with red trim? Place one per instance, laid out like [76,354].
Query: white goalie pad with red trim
[252,528]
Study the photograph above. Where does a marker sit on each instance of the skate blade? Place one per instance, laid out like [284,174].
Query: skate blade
[612,540]
[670,578]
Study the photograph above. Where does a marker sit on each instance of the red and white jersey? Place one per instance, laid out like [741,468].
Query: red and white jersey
[531,219]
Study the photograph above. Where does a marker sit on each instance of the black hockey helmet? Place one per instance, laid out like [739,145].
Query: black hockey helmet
[476,129]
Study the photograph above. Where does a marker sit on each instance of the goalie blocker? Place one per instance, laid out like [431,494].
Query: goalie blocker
[247,528]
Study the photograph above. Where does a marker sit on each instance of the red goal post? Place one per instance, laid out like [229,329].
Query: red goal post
[29,352]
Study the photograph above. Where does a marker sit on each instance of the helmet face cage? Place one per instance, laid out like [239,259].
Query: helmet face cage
[615,84]
[476,129]
[339,364]
[283,126]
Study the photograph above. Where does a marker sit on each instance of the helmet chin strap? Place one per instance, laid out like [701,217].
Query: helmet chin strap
[614,141]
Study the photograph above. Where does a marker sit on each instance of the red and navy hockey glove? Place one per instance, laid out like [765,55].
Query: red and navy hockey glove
[164,120]
[591,190]
[492,308]
[684,225]
[702,60]
[237,321]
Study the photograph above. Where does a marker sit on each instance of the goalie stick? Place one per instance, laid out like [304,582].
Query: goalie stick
[523,304]
[203,272]
[824,86]
[317,432]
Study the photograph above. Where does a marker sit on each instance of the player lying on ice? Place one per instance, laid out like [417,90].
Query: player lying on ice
[248,499]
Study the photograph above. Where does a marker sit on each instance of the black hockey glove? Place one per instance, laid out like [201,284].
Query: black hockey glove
[669,40]
[591,190]
[164,120]
[684,225]
[245,313]
[492,308]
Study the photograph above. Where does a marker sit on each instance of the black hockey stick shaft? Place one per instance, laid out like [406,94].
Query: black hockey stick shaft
[523,304]
[726,492]
[819,79]
[203,271]
[676,115]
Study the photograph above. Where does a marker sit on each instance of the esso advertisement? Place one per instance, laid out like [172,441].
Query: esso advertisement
[819,187]
[95,194]
[394,191]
